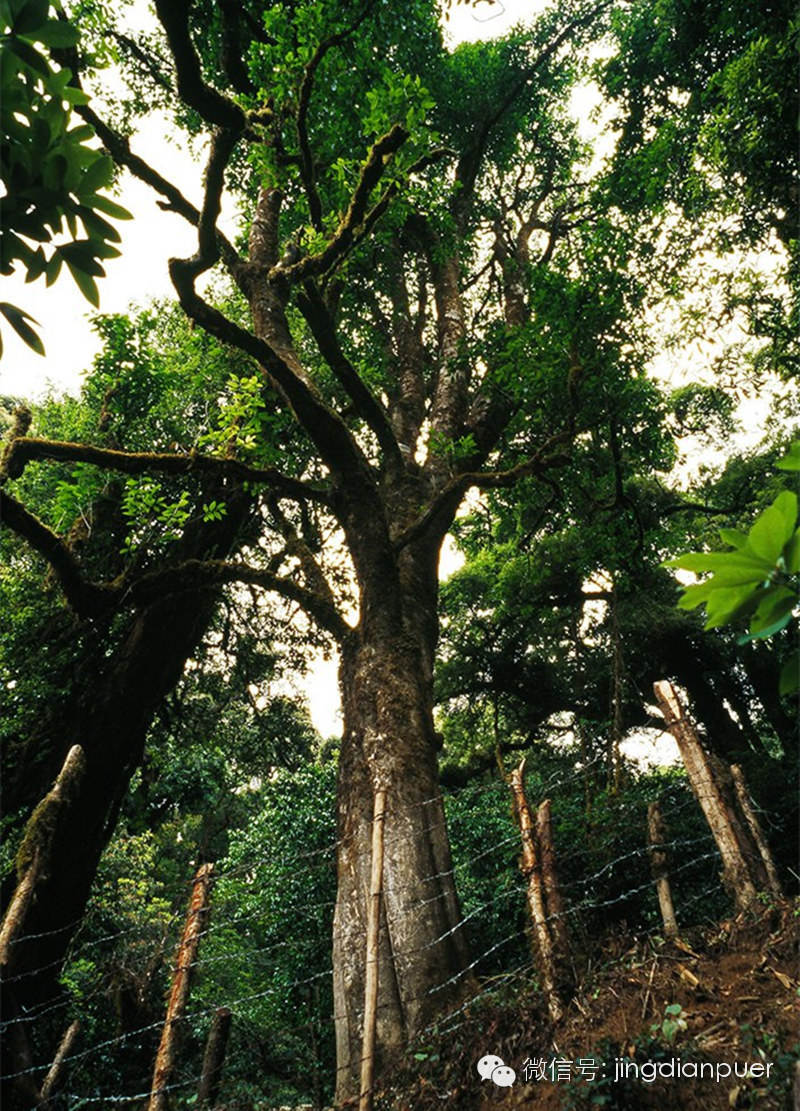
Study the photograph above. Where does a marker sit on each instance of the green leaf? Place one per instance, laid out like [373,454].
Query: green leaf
[696,594]
[773,527]
[111,208]
[58,33]
[731,603]
[791,554]
[777,604]
[17,319]
[96,226]
[29,57]
[98,174]
[791,462]
[82,254]
[53,268]
[730,568]
[86,284]
[75,96]
[30,17]
[734,537]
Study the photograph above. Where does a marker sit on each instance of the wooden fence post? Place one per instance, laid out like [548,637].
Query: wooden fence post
[554,904]
[55,1073]
[531,870]
[736,848]
[179,994]
[366,1094]
[757,833]
[36,844]
[658,863]
[213,1058]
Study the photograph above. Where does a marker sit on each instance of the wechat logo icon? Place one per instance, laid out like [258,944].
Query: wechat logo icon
[495,1069]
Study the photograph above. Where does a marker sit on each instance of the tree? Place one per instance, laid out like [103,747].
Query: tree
[371,380]
[429,291]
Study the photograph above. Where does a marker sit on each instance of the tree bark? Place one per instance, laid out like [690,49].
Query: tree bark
[389,743]
[658,863]
[181,981]
[214,1058]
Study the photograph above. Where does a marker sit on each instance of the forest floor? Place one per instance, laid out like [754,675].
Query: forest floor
[732,994]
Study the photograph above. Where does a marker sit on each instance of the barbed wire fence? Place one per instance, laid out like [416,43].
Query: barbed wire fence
[241,944]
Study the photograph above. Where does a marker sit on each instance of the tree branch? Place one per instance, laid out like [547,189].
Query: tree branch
[21,451]
[88,599]
[307,172]
[195,574]
[209,103]
[222,144]
[95,600]
[119,149]
[443,507]
[470,161]
[231,53]
[357,214]
[297,547]
[369,408]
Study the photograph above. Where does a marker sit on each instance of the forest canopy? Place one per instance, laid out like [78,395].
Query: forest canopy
[454,315]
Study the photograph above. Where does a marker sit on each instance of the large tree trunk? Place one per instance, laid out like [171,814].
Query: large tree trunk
[389,742]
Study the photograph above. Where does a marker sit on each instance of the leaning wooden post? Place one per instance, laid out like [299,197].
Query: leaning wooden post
[55,1074]
[34,852]
[552,889]
[757,833]
[365,1102]
[658,864]
[529,866]
[17,911]
[179,994]
[213,1058]
[707,792]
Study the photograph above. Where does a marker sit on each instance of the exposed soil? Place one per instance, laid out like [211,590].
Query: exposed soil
[737,987]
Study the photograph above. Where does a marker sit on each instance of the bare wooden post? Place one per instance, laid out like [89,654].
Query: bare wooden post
[179,994]
[552,889]
[658,864]
[213,1058]
[757,833]
[55,1073]
[365,1102]
[17,911]
[35,849]
[737,874]
[529,866]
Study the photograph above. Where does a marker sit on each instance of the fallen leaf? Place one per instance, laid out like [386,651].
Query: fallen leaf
[784,979]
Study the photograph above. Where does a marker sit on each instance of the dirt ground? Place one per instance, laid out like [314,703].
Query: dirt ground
[733,998]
